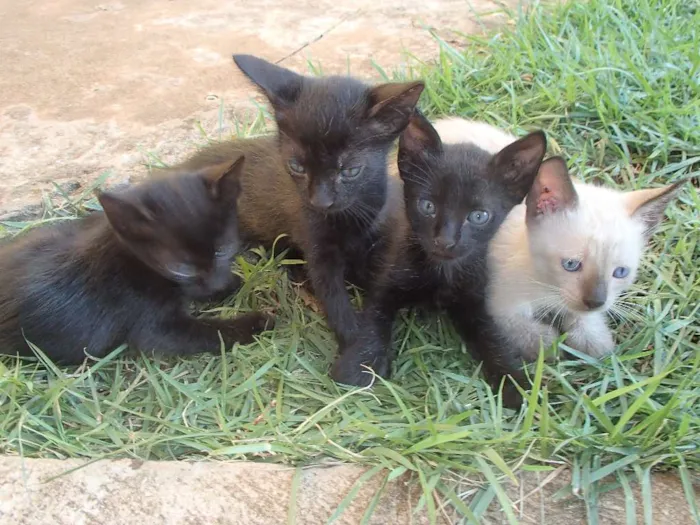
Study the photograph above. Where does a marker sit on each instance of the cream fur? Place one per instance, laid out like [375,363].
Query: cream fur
[526,271]
[455,130]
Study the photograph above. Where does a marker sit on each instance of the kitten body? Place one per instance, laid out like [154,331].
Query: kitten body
[322,179]
[125,275]
[561,260]
[457,191]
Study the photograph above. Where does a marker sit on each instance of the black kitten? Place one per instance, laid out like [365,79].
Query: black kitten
[456,197]
[126,275]
[327,185]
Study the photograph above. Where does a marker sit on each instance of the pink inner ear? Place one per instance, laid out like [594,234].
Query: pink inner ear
[547,202]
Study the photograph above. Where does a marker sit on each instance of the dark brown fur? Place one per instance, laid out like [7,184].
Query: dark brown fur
[322,179]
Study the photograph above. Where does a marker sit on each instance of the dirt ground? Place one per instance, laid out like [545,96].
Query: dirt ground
[89,87]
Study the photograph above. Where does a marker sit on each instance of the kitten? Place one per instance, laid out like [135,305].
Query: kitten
[125,275]
[461,179]
[562,258]
[323,178]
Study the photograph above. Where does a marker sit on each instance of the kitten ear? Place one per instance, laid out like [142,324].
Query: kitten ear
[281,86]
[223,180]
[649,205]
[391,105]
[129,219]
[517,164]
[552,191]
[419,138]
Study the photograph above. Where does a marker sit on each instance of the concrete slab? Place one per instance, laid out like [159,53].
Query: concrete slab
[45,491]
[88,87]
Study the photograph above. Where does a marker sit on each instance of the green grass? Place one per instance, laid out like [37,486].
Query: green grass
[617,86]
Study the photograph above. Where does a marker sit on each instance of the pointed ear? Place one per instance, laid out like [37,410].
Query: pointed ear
[391,105]
[223,180]
[129,219]
[516,165]
[649,205]
[419,138]
[552,191]
[280,85]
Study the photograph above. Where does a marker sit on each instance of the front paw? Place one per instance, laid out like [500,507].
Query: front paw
[244,327]
[543,341]
[597,349]
[351,368]
[590,336]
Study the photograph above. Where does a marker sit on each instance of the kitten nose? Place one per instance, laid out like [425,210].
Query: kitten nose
[593,302]
[321,201]
[321,195]
[445,243]
[595,293]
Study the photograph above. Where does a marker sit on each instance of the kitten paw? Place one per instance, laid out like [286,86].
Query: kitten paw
[545,342]
[590,336]
[352,369]
[246,326]
[511,395]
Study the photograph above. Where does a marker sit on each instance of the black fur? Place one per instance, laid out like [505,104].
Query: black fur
[128,274]
[443,263]
[334,137]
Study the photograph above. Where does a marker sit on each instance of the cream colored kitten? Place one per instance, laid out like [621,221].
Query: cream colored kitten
[455,130]
[568,253]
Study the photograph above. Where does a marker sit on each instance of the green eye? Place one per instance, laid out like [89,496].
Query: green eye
[351,173]
[427,207]
[479,217]
[296,167]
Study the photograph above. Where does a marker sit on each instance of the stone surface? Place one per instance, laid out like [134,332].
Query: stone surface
[116,492]
[125,492]
[88,87]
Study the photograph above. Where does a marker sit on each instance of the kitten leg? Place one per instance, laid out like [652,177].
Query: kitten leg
[327,272]
[589,334]
[185,335]
[485,342]
[370,348]
[526,334]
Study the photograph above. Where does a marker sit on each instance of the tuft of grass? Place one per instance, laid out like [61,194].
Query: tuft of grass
[616,84]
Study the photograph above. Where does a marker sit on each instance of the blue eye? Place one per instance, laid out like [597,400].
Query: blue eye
[427,207]
[479,217]
[296,167]
[181,271]
[571,265]
[351,173]
[621,272]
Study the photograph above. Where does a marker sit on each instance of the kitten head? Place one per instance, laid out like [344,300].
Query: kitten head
[183,226]
[335,132]
[586,241]
[458,194]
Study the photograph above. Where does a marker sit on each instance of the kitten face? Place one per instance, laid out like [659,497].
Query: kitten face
[457,195]
[335,132]
[586,242]
[183,226]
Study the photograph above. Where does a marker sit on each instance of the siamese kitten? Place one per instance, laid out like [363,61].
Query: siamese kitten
[126,275]
[322,179]
[562,258]
[461,179]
